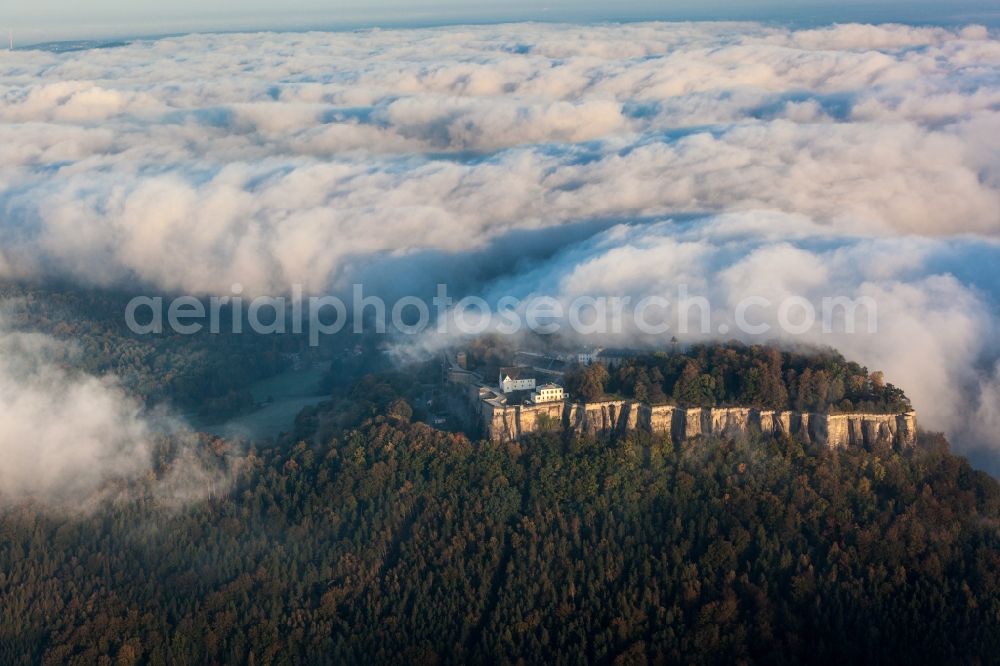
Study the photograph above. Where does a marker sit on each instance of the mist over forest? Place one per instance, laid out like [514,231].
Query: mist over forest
[730,162]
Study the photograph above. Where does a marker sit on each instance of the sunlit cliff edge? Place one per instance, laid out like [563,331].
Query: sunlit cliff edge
[506,423]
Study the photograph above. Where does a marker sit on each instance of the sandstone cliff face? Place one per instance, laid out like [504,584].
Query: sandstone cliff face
[657,419]
[505,423]
[605,416]
[727,420]
[866,429]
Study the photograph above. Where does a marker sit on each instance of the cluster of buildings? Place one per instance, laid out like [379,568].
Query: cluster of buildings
[534,378]
[521,378]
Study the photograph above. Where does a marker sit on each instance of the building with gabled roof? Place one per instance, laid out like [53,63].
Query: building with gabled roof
[516,379]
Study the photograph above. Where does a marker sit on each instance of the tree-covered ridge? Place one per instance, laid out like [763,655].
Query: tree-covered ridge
[393,542]
[208,372]
[730,374]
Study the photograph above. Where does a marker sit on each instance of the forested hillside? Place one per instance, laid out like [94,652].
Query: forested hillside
[761,376]
[390,542]
[207,372]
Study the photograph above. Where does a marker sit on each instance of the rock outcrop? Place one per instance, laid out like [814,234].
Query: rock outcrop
[863,429]
[505,423]
[607,416]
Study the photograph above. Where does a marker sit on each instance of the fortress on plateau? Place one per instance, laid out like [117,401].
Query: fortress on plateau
[506,412]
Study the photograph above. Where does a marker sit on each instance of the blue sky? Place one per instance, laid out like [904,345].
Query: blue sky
[41,20]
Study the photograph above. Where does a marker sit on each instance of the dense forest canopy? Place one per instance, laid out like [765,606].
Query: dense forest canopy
[815,380]
[368,537]
[365,535]
[206,372]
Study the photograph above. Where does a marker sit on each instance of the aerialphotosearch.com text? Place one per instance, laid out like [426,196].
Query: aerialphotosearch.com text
[681,312]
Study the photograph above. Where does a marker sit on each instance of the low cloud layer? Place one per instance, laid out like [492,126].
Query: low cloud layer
[70,441]
[847,160]
[62,437]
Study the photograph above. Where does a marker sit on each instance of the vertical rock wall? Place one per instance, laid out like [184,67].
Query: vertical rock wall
[505,423]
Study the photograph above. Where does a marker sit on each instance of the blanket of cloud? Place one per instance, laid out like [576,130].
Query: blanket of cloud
[738,158]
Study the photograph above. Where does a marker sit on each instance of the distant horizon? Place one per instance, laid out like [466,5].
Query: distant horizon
[36,31]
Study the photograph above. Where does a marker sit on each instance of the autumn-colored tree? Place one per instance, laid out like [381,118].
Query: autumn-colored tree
[589,382]
[400,410]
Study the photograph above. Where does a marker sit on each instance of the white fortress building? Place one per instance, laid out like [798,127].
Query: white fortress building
[516,379]
[548,393]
